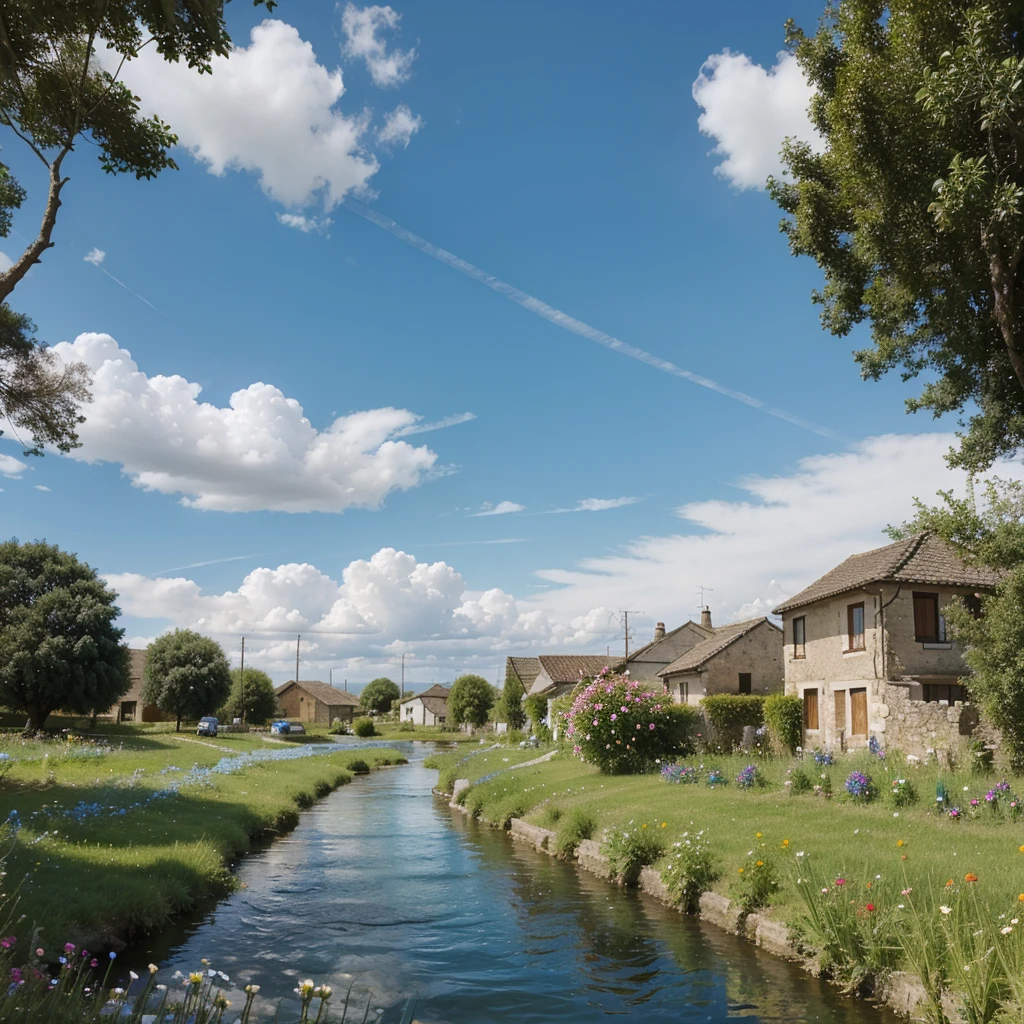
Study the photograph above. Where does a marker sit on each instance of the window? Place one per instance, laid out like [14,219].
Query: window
[811,710]
[935,693]
[927,627]
[855,627]
[745,680]
[799,637]
[408,710]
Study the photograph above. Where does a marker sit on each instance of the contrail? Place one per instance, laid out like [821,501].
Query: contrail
[569,323]
[212,561]
[96,257]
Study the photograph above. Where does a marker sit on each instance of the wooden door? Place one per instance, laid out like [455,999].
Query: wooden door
[859,712]
[840,699]
[811,709]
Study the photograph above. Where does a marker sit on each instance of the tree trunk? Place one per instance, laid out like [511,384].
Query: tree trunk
[177,727]
[10,278]
[1003,272]
[37,718]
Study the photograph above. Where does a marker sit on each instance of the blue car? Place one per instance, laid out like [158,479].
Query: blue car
[207,726]
[279,728]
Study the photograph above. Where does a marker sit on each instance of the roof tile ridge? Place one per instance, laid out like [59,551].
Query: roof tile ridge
[912,550]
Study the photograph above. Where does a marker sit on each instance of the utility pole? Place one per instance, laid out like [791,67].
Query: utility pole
[298,640]
[402,692]
[241,683]
[625,628]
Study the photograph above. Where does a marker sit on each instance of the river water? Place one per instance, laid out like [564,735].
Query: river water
[445,920]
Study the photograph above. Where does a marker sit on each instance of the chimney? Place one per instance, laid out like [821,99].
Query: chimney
[705,617]
[659,631]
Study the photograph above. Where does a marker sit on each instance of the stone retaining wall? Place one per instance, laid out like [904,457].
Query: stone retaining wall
[924,728]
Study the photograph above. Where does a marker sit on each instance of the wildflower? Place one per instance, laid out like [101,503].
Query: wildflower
[644,825]
[252,989]
[900,842]
[94,962]
[1021,897]
[133,976]
[757,835]
[153,968]
[39,952]
[785,843]
[664,824]
[1006,930]
[1020,849]
[112,955]
[759,864]
[869,907]
[69,947]
[196,978]
[946,910]
[970,877]
[949,883]
[824,892]
[906,892]
[740,871]
[840,882]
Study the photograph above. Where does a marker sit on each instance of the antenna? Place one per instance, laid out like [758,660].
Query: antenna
[702,590]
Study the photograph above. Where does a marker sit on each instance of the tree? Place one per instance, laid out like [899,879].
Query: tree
[378,695]
[252,697]
[536,706]
[186,675]
[989,533]
[510,707]
[38,393]
[915,210]
[59,647]
[55,91]
[470,699]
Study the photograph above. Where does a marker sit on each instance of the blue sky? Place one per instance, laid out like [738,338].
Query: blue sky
[558,149]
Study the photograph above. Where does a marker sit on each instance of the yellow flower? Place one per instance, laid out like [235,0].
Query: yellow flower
[1021,897]
[196,978]
[153,968]
[758,835]
[759,864]
[785,842]
[899,842]
[1020,849]
[644,825]
[664,824]
[741,872]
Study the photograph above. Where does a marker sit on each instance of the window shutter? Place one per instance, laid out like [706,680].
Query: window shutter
[924,616]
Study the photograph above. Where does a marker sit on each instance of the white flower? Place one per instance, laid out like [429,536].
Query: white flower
[946,910]
[1006,930]
[801,853]
[895,814]
[899,906]
[856,830]
[133,976]
[966,788]
[1013,920]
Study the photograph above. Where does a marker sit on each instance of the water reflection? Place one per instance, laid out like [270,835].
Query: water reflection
[381,884]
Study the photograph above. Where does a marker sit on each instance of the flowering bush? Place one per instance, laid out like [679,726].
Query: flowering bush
[751,777]
[902,792]
[619,726]
[823,757]
[691,870]
[631,848]
[716,777]
[876,748]
[757,880]
[859,786]
[680,773]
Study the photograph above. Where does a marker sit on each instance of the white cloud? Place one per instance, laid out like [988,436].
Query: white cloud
[594,505]
[258,453]
[503,508]
[270,108]
[750,111]
[364,28]
[456,419]
[304,224]
[95,256]
[12,467]
[41,487]
[399,127]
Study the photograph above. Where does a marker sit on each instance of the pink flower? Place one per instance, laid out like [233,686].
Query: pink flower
[651,726]
[840,882]
[638,725]
[614,716]
[623,708]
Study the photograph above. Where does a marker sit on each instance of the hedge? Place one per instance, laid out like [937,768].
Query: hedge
[728,713]
[785,718]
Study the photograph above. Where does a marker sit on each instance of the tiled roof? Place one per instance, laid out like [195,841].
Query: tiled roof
[524,669]
[437,706]
[328,695]
[436,691]
[641,653]
[570,668]
[715,644]
[923,558]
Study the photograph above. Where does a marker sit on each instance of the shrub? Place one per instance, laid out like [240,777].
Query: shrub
[359,766]
[619,726]
[536,708]
[691,870]
[406,727]
[823,757]
[683,722]
[860,787]
[784,716]
[680,773]
[364,727]
[751,778]
[799,781]
[728,713]
[631,848]
[902,792]
[756,881]
[716,777]
[573,828]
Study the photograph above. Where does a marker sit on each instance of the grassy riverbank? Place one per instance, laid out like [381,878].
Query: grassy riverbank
[118,834]
[841,837]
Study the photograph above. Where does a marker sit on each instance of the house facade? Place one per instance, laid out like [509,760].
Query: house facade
[744,657]
[310,700]
[868,652]
[427,708]
[559,673]
[130,708]
[645,664]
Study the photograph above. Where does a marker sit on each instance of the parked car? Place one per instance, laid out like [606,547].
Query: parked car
[279,728]
[296,727]
[207,727]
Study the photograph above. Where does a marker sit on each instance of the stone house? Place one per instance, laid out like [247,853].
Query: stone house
[868,653]
[559,673]
[744,657]
[427,708]
[523,670]
[130,707]
[647,662]
[309,700]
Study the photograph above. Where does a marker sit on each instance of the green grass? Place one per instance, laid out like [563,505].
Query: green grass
[474,764]
[104,878]
[841,838]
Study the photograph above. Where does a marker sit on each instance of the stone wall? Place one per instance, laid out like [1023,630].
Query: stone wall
[921,728]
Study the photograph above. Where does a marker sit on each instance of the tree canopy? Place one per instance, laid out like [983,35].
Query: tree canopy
[59,647]
[379,695]
[55,90]
[915,209]
[510,707]
[252,697]
[470,699]
[186,675]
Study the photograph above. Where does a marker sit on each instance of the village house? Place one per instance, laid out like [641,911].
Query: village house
[309,700]
[427,708]
[645,664]
[523,671]
[744,657]
[130,707]
[559,673]
[868,652]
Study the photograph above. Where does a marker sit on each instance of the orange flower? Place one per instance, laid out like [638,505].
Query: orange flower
[1021,897]
[903,856]
[785,842]
[741,872]
[867,885]
[1020,849]
[949,883]
[970,877]
[759,864]
[899,842]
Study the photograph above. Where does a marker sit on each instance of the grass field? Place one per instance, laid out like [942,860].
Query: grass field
[918,846]
[120,832]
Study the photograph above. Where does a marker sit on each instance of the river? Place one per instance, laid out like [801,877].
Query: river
[449,921]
